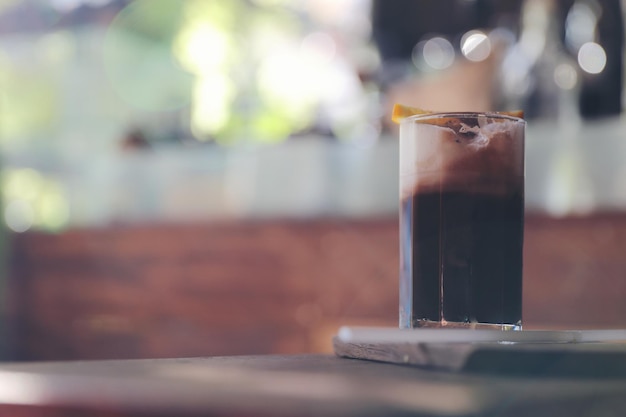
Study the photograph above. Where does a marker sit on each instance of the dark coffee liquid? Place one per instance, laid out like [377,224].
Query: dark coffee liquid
[466,263]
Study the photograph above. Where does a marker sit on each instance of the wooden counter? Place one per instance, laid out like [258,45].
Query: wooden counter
[279,286]
[309,385]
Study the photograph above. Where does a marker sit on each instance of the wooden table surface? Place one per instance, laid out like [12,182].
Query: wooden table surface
[300,385]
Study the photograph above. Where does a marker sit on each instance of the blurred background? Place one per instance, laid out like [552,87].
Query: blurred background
[209,177]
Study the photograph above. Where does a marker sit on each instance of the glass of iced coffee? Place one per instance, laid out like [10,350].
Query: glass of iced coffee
[461,220]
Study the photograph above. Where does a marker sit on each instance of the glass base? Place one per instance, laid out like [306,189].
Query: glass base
[462,325]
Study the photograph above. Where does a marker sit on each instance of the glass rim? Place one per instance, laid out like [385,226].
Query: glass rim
[461,115]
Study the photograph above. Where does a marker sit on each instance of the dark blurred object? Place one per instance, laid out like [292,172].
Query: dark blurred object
[398,25]
[134,140]
[601,94]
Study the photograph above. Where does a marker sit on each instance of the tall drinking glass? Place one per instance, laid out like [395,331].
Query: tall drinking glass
[461,220]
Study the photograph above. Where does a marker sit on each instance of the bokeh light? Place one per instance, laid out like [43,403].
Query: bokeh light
[580,25]
[436,53]
[260,81]
[203,47]
[475,46]
[256,71]
[32,200]
[21,184]
[52,210]
[19,215]
[592,58]
[565,76]
[211,96]
[289,77]
[320,44]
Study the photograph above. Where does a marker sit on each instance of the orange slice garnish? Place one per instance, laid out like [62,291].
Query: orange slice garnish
[400,111]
